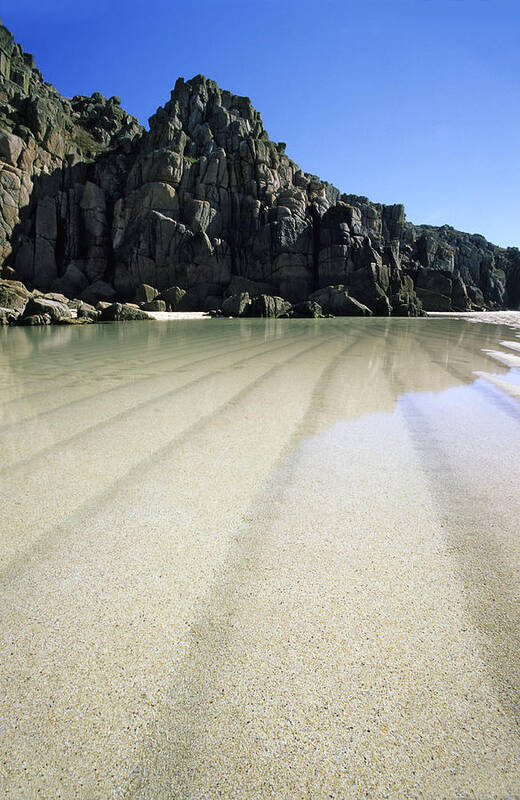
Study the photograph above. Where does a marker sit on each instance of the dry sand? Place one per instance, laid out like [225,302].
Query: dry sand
[167,316]
[259,560]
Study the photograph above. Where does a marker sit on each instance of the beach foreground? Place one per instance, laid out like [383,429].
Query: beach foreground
[260,559]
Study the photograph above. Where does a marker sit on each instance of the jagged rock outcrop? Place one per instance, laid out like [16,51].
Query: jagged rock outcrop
[61,165]
[336,300]
[204,206]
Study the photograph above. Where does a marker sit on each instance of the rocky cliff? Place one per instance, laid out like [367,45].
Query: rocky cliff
[93,206]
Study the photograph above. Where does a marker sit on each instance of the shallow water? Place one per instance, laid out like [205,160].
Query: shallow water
[260,559]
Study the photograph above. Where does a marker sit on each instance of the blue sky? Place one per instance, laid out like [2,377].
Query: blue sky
[412,101]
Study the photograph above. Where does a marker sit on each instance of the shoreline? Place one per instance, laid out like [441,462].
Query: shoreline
[511,318]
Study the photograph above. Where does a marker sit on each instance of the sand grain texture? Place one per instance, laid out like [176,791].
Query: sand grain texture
[260,559]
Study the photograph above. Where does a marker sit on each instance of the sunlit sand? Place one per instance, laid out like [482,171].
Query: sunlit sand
[260,559]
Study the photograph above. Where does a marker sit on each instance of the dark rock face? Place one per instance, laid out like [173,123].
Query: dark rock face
[239,285]
[337,301]
[206,205]
[434,288]
[98,291]
[308,309]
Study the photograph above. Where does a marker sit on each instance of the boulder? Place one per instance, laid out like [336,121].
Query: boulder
[57,296]
[237,305]
[172,297]
[40,306]
[145,293]
[123,312]
[267,306]
[154,305]
[74,304]
[85,310]
[8,316]
[309,309]
[35,319]
[13,295]
[76,320]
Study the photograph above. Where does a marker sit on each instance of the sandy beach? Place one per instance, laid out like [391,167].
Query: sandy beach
[260,559]
[511,318]
[168,316]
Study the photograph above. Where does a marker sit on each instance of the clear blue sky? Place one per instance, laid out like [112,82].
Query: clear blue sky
[412,101]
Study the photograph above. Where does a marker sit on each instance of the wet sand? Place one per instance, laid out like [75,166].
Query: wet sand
[260,559]
[510,318]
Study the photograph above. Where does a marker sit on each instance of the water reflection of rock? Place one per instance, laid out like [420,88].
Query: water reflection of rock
[384,358]
[414,355]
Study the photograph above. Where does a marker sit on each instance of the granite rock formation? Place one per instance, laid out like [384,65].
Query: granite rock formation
[203,209]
